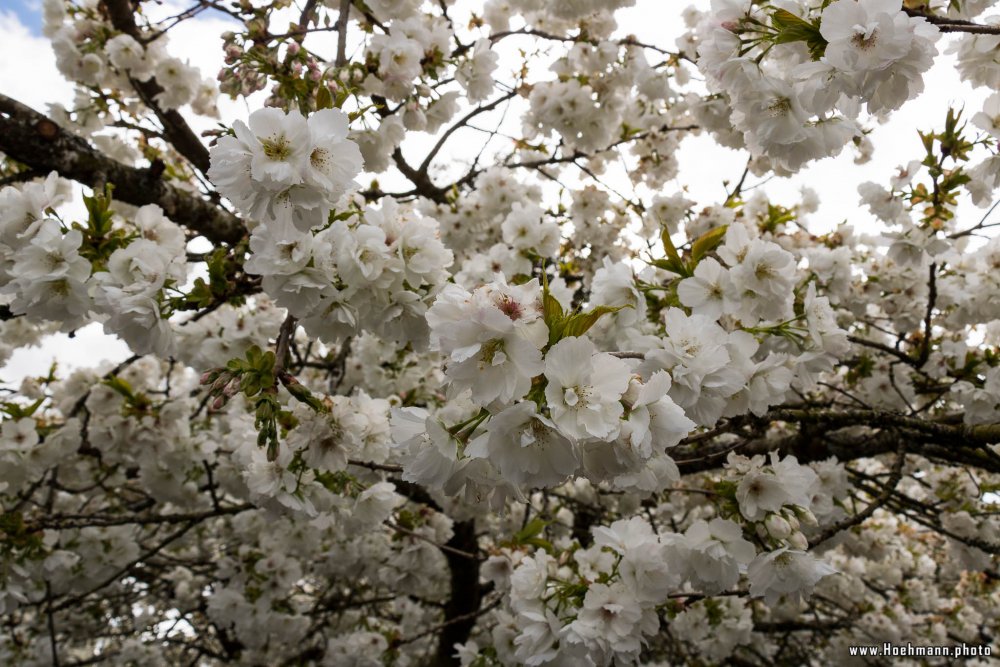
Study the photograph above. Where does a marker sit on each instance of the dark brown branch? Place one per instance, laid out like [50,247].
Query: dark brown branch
[817,439]
[284,341]
[345,13]
[959,434]
[458,619]
[421,182]
[173,537]
[459,125]
[37,141]
[21,177]
[925,346]
[875,345]
[75,521]
[53,644]
[339,367]
[575,39]
[945,24]
[465,599]
[384,467]
[175,129]
[889,486]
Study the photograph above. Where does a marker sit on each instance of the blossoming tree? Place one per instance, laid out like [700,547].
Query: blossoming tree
[415,383]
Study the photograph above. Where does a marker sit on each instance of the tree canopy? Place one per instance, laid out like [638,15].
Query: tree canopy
[435,361]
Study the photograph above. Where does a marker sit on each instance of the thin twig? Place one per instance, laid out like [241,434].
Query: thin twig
[345,10]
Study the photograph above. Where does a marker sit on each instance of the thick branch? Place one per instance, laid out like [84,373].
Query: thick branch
[945,24]
[345,10]
[463,604]
[35,140]
[959,434]
[175,129]
[817,439]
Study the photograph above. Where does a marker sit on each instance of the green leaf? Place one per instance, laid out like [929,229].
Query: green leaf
[579,324]
[673,263]
[250,384]
[520,279]
[792,28]
[18,412]
[531,530]
[301,393]
[200,295]
[552,309]
[266,363]
[324,98]
[552,314]
[668,246]
[120,386]
[253,355]
[706,243]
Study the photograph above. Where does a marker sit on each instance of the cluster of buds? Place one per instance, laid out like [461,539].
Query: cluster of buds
[257,378]
[248,376]
[785,526]
[222,384]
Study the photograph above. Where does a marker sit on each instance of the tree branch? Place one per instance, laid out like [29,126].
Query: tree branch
[463,606]
[460,124]
[175,129]
[37,141]
[945,24]
[345,12]
[890,485]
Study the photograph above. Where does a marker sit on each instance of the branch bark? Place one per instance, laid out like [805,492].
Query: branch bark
[818,439]
[37,141]
[463,604]
[945,24]
[175,129]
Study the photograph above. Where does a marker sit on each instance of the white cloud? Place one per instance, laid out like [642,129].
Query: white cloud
[28,67]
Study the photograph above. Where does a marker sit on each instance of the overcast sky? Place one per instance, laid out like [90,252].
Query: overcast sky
[28,73]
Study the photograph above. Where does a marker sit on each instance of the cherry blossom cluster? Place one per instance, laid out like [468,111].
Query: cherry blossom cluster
[87,52]
[530,401]
[796,82]
[49,278]
[285,170]
[627,573]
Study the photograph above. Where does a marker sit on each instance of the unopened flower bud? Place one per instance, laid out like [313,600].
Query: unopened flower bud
[793,522]
[798,541]
[777,526]
[220,382]
[807,517]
